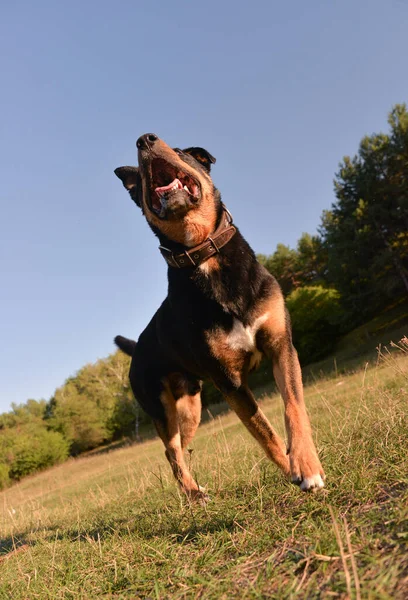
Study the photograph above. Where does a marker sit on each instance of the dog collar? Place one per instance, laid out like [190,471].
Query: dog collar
[193,257]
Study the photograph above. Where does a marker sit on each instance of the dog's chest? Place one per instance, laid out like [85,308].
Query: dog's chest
[231,347]
[242,337]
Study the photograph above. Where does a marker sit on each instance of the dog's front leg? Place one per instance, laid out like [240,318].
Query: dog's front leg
[244,404]
[305,466]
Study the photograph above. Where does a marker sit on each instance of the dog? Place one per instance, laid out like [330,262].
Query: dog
[223,312]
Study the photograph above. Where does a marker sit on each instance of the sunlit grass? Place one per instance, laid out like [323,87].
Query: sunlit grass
[115,525]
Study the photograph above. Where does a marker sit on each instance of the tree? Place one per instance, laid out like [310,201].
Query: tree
[311,260]
[77,417]
[282,265]
[31,411]
[96,405]
[366,232]
[294,268]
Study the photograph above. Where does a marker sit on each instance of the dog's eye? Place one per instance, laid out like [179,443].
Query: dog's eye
[178,151]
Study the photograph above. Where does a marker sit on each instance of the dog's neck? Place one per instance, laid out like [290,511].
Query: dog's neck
[224,278]
[178,256]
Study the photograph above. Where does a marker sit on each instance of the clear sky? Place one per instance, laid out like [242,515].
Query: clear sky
[277,91]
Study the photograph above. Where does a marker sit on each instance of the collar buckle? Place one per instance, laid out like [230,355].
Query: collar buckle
[214,245]
[169,257]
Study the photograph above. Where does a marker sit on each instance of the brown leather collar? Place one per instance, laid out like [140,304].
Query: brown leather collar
[212,245]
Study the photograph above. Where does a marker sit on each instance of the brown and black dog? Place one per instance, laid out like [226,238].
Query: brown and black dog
[222,314]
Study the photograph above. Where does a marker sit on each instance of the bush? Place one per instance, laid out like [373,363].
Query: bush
[315,314]
[30,449]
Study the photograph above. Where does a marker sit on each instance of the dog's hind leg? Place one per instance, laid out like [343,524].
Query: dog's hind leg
[244,404]
[182,417]
[189,415]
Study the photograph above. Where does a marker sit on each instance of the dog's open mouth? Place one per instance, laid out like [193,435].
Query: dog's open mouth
[171,189]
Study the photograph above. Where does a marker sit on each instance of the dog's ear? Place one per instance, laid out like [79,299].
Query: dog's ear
[130,177]
[203,156]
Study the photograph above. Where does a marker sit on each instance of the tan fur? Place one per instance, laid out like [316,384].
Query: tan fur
[304,462]
[195,227]
[189,415]
[188,407]
[200,223]
[182,419]
[275,325]
[232,360]
[244,404]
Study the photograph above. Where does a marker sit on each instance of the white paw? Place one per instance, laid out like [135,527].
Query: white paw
[312,483]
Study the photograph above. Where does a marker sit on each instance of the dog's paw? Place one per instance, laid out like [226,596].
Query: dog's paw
[306,470]
[312,484]
[199,496]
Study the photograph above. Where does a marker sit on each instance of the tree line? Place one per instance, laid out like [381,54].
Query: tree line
[357,263]
[353,267]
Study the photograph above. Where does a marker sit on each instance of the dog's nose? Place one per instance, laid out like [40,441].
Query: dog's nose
[146,141]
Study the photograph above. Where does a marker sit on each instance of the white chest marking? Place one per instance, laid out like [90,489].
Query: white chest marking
[204,268]
[243,338]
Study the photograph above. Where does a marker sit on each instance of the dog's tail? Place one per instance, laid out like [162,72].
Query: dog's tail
[127,346]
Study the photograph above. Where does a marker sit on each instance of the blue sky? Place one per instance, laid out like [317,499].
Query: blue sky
[277,91]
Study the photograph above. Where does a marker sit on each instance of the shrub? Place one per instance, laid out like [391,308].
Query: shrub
[315,314]
[30,449]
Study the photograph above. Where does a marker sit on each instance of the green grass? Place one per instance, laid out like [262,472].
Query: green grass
[115,525]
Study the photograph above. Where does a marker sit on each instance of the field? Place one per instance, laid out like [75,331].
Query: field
[114,525]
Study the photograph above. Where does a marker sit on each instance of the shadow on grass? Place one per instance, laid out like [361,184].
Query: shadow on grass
[12,545]
[171,529]
[145,526]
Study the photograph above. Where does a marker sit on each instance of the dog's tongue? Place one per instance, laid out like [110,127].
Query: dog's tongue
[174,185]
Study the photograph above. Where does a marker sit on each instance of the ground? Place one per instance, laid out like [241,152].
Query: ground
[114,525]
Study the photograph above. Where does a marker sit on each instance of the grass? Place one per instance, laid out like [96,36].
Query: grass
[115,525]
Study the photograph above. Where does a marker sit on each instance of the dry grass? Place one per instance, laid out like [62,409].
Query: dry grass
[115,525]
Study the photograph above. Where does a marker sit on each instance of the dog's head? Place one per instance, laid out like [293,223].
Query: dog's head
[174,189]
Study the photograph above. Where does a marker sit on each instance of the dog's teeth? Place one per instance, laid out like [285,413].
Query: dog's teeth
[186,188]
